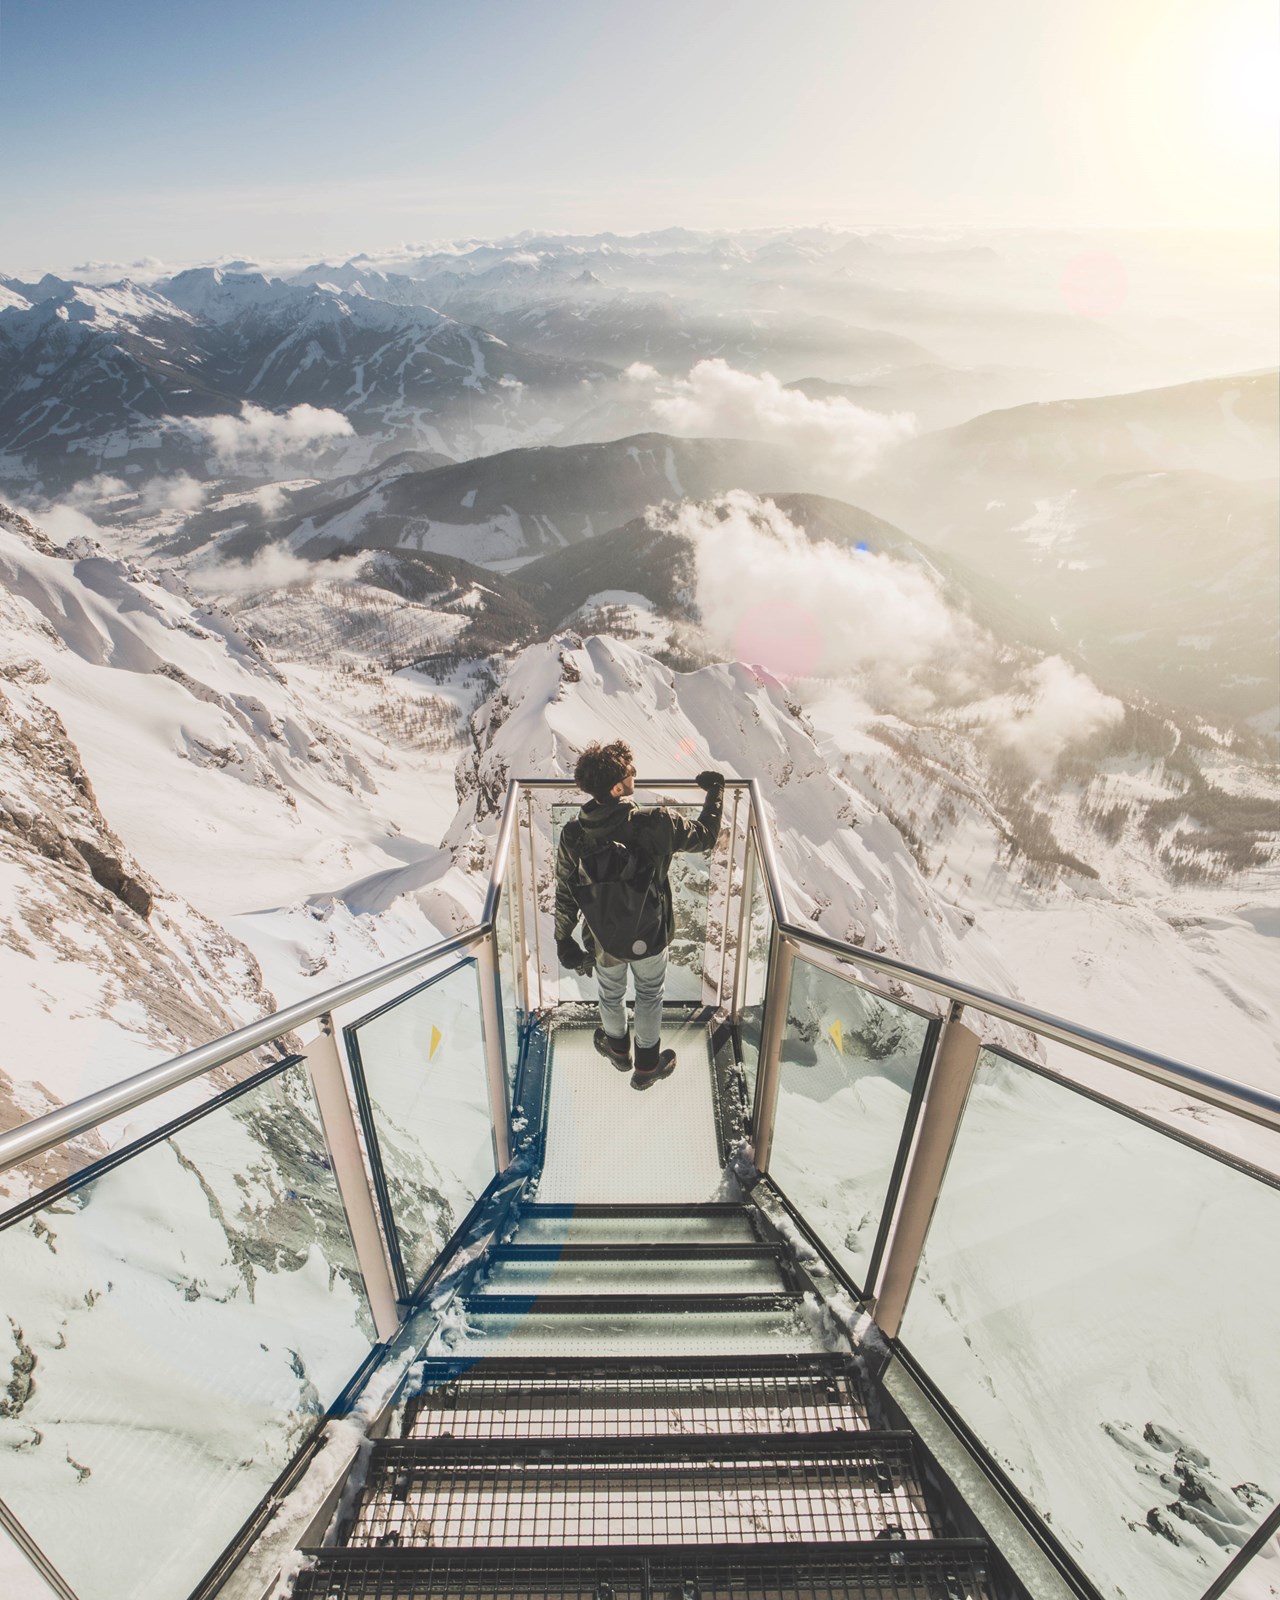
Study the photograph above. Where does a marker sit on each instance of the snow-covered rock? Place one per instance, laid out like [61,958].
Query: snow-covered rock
[845,866]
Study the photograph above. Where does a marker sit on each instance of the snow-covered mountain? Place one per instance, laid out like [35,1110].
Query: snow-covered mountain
[127,379]
[1140,528]
[847,868]
[103,967]
[507,507]
[163,784]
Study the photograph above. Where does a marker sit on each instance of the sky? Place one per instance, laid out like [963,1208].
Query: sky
[313,128]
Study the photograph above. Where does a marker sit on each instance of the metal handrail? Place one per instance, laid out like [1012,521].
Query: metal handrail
[1227,1093]
[82,1116]
[501,853]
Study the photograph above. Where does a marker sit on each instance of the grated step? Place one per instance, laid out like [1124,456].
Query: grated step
[633,1271]
[637,1398]
[615,1332]
[655,1491]
[547,1224]
[586,1327]
[951,1569]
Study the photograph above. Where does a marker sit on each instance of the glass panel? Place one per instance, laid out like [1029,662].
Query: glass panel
[1100,1304]
[30,1178]
[504,929]
[690,885]
[757,937]
[847,1068]
[422,1061]
[172,1330]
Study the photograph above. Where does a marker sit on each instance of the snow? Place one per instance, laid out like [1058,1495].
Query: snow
[493,539]
[262,801]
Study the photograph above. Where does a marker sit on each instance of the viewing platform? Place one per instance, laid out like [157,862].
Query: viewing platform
[406,1294]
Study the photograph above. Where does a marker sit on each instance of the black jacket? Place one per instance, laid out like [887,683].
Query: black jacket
[656,830]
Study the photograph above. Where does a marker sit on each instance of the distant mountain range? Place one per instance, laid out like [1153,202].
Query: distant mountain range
[119,379]
[1144,526]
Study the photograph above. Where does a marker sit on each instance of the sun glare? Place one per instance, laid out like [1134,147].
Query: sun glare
[1246,86]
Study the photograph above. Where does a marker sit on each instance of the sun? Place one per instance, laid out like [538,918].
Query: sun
[1242,80]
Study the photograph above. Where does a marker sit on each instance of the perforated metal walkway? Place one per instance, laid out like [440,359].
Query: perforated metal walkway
[608,1145]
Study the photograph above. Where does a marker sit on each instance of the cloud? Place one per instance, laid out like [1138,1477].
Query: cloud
[64,522]
[172,491]
[258,435]
[640,372]
[176,491]
[832,433]
[272,498]
[273,567]
[92,491]
[145,270]
[770,596]
[1056,707]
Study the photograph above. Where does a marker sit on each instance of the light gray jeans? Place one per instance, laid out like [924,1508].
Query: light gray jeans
[650,973]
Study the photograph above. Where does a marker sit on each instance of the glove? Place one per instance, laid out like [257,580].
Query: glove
[573,956]
[712,782]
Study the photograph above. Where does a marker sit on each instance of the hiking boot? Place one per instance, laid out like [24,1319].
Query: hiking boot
[616,1050]
[652,1063]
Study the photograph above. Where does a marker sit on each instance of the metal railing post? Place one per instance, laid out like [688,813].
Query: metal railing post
[739,998]
[338,1120]
[494,1053]
[944,1102]
[53,1579]
[534,908]
[782,954]
[520,949]
[728,901]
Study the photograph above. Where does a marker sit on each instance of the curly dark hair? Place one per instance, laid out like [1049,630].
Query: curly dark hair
[601,766]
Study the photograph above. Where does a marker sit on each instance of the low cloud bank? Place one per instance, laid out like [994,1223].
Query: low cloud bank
[770,596]
[802,609]
[832,433]
[64,522]
[258,435]
[272,568]
[1055,708]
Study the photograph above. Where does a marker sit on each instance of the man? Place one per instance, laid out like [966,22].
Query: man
[613,869]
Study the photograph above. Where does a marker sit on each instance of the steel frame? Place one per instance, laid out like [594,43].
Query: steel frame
[922,1157]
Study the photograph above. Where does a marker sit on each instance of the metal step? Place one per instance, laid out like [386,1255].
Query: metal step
[707,1224]
[672,1304]
[650,1269]
[611,1330]
[655,1491]
[942,1569]
[635,1398]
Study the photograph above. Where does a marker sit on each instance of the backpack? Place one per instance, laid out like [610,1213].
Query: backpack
[616,888]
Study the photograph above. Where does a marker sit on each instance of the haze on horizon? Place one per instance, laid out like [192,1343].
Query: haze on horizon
[315,130]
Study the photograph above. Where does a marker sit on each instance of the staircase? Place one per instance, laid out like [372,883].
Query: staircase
[642,1411]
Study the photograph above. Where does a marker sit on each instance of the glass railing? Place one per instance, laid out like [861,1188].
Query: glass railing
[849,1080]
[419,1069]
[1084,1289]
[1088,1292]
[176,1320]
[1099,1303]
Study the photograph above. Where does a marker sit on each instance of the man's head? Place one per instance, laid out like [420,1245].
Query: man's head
[606,772]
